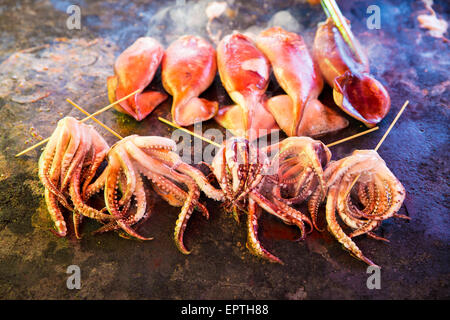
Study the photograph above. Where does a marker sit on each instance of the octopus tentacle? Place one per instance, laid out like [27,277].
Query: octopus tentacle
[141,210]
[130,175]
[365,228]
[111,186]
[253,243]
[185,214]
[97,185]
[313,207]
[337,231]
[55,213]
[110,226]
[175,162]
[154,142]
[77,161]
[100,150]
[77,218]
[63,137]
[285,213]
[297,215]
[78,202]
[141,203]
[170,192]
[201,181]
[174,195]
[374,236]
[44,165]
[71,149]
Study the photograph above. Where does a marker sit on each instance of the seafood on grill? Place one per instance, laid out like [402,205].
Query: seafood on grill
[67,166]
[135,69]
[240,169]
[244,72]
[299,113]
[362,205]
[189,68]
[355,90]
[298,170]
[175,181]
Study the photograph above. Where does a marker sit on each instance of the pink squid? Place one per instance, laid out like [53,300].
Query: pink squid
[355,90]
[134,69]
[188,68]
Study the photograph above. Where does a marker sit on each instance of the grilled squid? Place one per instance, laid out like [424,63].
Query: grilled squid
[188,69]
[134,69]
[299,113]
[355,91]
[363,192]
[244,71]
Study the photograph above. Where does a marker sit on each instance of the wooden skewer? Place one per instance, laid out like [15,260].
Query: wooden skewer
[190,132]
[383,138]
[33,147]
[352,137]
[332,10]
[95,119]
[83,120]
[392,125]
[218,145]
[109,106]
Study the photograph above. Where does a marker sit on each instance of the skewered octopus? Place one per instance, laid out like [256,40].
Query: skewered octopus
[67,166]
[299,164]
[134,69]
[364,192]
[240,170]
[153,157]
[188,68]
[355,91]
[360,188]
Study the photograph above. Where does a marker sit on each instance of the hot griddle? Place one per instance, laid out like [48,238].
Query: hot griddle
[43,63]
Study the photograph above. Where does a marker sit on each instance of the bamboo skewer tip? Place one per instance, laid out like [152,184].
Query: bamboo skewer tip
[83,120]
[188,131]
[383,138]
[95,119]
[392,125]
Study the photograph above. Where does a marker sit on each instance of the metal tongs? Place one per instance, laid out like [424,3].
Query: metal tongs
[332,10]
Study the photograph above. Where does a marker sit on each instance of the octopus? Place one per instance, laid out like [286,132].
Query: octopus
[134,69]
[188,68]
[175,181]
[299,113]
[298,167]
[364,193]
[240,169]
[244,72]
[355,90]
[67,166]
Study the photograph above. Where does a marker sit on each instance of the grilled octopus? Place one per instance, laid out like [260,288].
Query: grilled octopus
[364,192]
[240,169]
[67,166]
[175,181]
[298,171]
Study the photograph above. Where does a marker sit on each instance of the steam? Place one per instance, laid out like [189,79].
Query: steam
[212,20]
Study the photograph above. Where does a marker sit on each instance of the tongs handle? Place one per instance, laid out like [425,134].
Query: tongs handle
[332,10]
